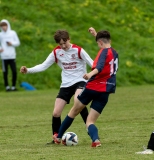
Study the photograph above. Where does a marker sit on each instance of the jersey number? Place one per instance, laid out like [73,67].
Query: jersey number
[113,66]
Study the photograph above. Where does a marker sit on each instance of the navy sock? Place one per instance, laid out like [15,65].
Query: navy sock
[64,126]
[93,132]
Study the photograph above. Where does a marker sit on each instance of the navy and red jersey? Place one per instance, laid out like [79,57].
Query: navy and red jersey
[106,62]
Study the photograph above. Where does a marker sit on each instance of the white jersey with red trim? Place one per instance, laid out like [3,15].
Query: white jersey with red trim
[72,62]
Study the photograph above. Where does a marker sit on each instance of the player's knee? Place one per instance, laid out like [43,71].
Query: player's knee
[56,114]
[88,123]
[75,111]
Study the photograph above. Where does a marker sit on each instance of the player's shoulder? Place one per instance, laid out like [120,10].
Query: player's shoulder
[76,46]
[109,50]
[57,49]
[103,51]
[114,51]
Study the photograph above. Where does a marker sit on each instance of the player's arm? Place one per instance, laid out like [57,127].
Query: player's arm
[84,55]
[41,67]
[99,66]
[1,50]
[92,31]
[90,74]
[23,69]
[101,60]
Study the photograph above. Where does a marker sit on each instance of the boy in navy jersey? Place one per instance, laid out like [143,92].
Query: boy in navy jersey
[101,82]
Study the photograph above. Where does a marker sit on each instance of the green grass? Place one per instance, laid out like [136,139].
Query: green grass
[124,127]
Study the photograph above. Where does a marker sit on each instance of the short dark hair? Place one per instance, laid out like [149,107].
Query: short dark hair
[61,34]
[104,35]
[3,24]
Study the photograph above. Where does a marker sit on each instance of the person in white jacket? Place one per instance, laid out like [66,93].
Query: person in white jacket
[72,60]
[8,41]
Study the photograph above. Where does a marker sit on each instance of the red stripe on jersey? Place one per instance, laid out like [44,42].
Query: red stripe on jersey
[96,59]
[54,51]
[79,50]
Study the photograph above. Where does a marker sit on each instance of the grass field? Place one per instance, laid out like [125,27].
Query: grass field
[124,127]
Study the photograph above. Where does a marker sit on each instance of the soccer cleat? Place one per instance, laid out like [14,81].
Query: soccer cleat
[64,142]
[55,139]
[97,143]
[146,151]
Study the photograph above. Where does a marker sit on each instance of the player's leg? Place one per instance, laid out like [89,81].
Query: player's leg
[98,104]
[56,118]
[75,110]
[5,74]
[62,99]
[14,74]
[150,146]
[79,104]
[92,129]
[151,142]
[84,112]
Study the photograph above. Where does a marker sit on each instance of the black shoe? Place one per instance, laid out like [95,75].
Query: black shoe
[8,90]
[50,143]
[14,89]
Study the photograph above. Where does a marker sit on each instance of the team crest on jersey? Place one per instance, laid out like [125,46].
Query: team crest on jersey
[73,56]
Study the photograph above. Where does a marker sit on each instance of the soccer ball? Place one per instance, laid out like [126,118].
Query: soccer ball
[70,139]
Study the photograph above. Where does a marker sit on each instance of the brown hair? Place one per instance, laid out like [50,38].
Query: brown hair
[61,34]
[104,36]
[3,24]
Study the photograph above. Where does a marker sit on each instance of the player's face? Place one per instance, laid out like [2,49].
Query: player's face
[4,28]
[65,45]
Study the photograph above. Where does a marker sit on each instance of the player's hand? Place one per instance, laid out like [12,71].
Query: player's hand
[92,31]
[9,43]
[87,76]
[1,50]
[23,69]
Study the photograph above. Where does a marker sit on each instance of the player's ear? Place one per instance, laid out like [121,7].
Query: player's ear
[101,42]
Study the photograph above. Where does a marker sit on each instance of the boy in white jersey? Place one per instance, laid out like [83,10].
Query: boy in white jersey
[72,60]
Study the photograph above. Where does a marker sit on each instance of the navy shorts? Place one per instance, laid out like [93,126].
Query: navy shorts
[99,99]
[67,92]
